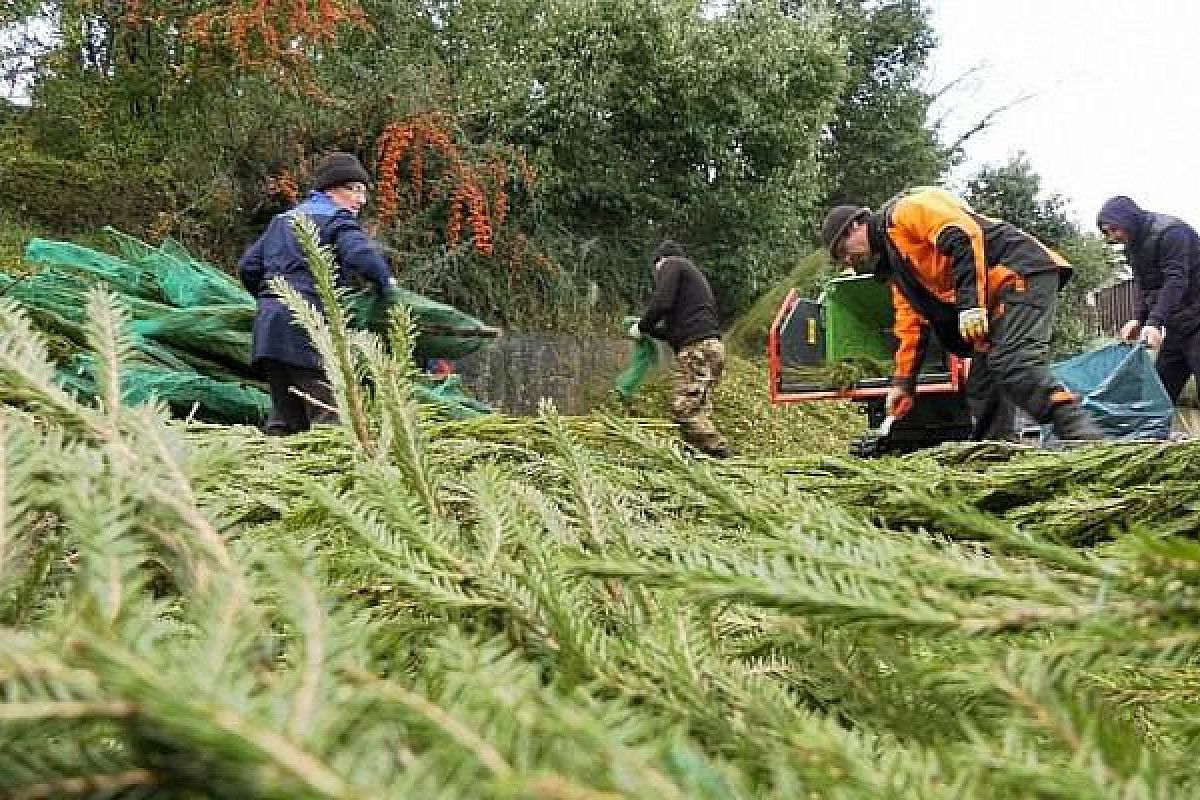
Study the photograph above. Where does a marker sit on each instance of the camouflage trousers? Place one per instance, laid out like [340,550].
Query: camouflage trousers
[699,366]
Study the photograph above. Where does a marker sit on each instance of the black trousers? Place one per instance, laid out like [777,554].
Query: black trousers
[290,412]
[1178,360]
[1015,372]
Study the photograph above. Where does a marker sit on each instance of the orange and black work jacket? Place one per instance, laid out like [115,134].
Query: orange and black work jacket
[940,257]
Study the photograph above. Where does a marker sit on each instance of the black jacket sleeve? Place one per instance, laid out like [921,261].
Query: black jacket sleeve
[1142,300]
[956,244]
[666,284]
[1172,257]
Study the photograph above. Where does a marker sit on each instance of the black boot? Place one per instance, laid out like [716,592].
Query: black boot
[1072,423]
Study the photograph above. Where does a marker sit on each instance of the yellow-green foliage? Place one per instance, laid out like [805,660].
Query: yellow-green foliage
[748,335]
[65,195]
[755,427]
[14,236]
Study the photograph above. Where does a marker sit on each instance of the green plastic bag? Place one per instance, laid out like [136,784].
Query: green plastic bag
[451,398]
[642,362]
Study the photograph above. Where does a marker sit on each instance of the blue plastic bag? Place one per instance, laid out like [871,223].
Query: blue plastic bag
[1119,387]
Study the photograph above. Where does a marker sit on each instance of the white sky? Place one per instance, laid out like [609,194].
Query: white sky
[1116,95]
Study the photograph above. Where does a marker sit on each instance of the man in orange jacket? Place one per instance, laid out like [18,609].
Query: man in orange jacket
[985,288]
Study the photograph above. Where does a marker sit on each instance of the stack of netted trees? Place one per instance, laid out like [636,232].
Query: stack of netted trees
[190,327]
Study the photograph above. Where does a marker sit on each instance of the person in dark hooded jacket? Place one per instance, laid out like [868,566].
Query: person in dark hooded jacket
[300,392]
[1164,254]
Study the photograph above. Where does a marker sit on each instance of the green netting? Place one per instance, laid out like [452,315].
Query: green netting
[442,330]
[642,361]
[57,302]
[185,393]
[217,332]
[451,398]
[182,280]
[91,265]
[191,326]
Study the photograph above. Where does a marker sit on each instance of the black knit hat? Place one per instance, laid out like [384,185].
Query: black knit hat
[339,169]
[836,222]
[666,249]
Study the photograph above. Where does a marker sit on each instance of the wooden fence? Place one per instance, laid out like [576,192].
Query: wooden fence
[1113,306]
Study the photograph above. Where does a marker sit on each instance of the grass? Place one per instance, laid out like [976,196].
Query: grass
[753,426]
[748,334]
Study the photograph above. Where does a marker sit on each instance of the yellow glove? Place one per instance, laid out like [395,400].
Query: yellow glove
[973,325]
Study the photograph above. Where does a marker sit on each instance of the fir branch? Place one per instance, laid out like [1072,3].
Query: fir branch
[65,710]
[26,369]
[328,328]
[458,732]
[198,718]
[108,337]
[393,376]
[106,785]
[585,491]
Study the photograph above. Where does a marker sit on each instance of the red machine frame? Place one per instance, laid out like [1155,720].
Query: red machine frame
[957,371]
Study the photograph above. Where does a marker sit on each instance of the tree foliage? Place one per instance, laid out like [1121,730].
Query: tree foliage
[879,139]
[645,119]
[728,129]
[1013,192]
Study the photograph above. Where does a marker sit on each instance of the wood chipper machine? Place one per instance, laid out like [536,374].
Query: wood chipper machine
[816,351]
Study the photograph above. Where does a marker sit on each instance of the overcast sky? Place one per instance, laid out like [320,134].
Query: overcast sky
[1116,94]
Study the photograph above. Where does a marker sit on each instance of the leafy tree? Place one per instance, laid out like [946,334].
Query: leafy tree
[1013,192]
[638,120]
[879,139]
[645,119]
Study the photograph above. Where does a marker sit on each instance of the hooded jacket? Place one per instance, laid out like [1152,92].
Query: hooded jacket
[940,258]
[277,254]
[682,309]
[1164,254]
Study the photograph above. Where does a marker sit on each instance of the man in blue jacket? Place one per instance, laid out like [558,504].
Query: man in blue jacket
[1164,254]
[300,392]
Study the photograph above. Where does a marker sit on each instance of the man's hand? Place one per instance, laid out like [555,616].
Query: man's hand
[634,331]
[973,325]
[899,402]
[1152,335]
[1129,331]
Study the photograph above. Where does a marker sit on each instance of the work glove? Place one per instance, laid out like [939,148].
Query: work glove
[899,402]
[973,325]
[1152,335]
[1129,331]
[635,332]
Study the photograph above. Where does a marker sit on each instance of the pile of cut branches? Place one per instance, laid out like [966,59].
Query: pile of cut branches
[570,608]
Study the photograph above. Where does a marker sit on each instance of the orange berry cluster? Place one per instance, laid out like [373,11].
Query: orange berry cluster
[273,33]
[411,139]
[284,185]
